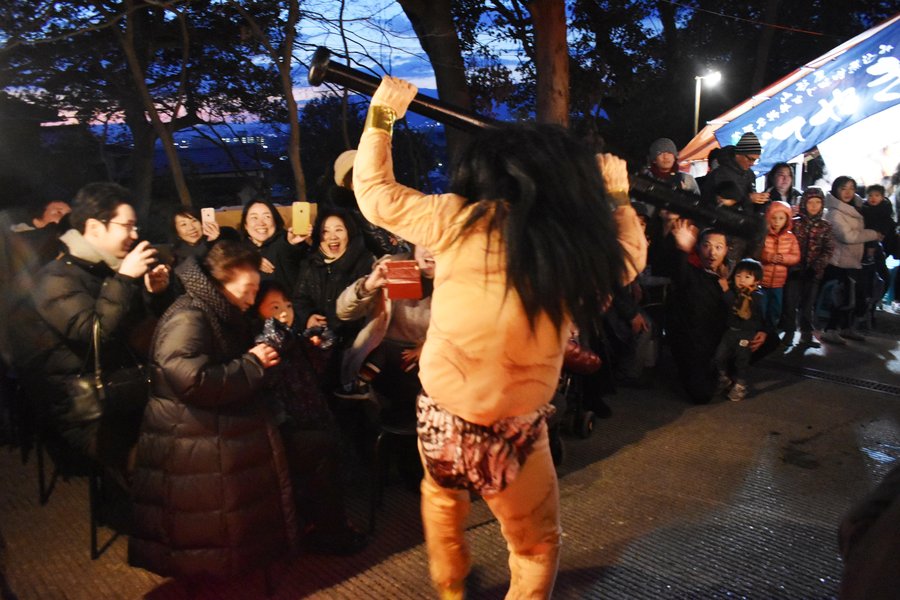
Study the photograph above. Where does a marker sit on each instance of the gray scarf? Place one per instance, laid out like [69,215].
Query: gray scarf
[83,249]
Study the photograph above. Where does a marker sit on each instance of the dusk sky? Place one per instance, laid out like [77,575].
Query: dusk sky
[375,28]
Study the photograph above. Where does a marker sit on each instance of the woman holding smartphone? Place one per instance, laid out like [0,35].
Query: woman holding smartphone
[193,235]
[282,249]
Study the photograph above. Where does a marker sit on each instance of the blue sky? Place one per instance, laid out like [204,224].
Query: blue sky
[377,29]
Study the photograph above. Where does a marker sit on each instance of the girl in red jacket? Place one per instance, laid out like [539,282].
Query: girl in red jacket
[780,252]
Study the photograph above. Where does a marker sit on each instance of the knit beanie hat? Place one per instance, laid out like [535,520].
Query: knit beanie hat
[343,165]
[748,144]
[662,145]
[812,192]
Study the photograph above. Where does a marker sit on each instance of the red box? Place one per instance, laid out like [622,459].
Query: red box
[403,280]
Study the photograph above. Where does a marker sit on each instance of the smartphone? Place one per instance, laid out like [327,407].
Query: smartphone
[300,217]
[207,215]
[403,280]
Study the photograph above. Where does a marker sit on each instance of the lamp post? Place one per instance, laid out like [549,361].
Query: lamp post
[711,79]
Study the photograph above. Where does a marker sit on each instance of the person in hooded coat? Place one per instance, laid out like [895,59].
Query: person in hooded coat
[211,485]
[845,265]
[813,235]
[780,252]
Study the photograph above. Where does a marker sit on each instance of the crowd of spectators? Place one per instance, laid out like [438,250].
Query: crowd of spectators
[256,338]
[823,260]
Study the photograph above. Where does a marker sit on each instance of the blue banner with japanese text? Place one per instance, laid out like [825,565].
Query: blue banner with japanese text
[862,81]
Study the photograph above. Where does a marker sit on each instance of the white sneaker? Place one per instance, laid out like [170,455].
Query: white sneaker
[738,392]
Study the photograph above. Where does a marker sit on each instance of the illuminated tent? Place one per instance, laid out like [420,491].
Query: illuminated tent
[855,84]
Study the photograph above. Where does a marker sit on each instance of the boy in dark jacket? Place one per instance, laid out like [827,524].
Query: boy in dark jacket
[745,318]
[696,313]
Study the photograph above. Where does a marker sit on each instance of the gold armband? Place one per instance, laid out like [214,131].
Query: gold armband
[381,117]
[619,197]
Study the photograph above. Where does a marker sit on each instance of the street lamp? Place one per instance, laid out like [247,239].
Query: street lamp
[711,80]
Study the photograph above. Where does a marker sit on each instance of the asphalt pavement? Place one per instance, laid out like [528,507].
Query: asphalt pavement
[663,500]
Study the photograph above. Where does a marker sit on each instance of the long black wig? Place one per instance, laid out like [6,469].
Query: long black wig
[542,189]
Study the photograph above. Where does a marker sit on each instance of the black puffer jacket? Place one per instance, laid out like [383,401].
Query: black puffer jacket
[52,334]
[285,257]
[319,285]
[211,485]
[729,170]
[696,317]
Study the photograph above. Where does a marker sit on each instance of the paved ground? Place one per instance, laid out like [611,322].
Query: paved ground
[665,500]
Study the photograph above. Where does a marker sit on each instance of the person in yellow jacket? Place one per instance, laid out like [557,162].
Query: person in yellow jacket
[525,244]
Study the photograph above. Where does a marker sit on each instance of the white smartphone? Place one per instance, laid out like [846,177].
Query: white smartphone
[207,215]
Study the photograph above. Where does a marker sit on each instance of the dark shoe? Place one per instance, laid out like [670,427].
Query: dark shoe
[808,341]
[852,334]
[724,384]
[343,542]
[831,336]
[357,391]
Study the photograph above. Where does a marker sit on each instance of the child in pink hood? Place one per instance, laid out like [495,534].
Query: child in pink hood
[780,252]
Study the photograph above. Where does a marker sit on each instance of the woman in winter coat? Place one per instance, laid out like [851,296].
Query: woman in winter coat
[850,236]
[211,487]
[814,237]
[340,259]
[283,250]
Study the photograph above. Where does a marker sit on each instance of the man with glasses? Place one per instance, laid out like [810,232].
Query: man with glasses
[735,164]
[106,274]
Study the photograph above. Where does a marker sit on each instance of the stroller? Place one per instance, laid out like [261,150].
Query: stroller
[571,412]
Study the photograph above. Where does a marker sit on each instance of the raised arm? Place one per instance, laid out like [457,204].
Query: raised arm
[419,218]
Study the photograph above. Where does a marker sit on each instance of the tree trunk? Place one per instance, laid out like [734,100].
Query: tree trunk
[764,47]
[433,24]
[551,60]
[141,162]
[287,84]
[162,130]
[670,38]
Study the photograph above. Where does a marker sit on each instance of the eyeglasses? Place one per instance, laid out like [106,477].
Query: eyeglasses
[129,227]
